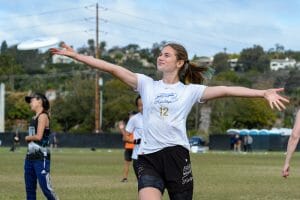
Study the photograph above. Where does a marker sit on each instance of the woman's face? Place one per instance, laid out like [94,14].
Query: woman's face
[167,60]
[35,103]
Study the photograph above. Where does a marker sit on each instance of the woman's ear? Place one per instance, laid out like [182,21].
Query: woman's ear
[180,63]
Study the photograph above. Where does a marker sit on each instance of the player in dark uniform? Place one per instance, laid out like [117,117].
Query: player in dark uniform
[37,161]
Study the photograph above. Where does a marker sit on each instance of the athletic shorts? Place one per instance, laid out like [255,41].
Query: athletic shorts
[168,168]
[128,154]
[135,167]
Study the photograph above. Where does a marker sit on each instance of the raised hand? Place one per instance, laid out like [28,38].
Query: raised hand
[65,50]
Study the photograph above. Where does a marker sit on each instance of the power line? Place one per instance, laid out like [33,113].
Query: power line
[50,24]
[208,35]
[171,37]
[44,13]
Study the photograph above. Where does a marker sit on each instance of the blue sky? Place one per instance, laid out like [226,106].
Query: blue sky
[204,27]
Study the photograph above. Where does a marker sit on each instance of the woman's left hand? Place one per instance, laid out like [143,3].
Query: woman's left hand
[274,99]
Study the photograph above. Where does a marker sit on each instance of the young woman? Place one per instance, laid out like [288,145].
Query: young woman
[37,162]
[164,161]
[292,144]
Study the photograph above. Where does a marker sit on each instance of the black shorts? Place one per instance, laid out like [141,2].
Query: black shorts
[135,167]
[128,154]
[168,168]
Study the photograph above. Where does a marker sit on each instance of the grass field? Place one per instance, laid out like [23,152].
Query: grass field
[81,174]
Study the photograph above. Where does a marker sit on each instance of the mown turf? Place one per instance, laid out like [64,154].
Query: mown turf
[81,174]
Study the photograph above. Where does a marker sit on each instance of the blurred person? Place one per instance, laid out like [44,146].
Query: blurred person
[292,145]
[249,143]
[37,161]
[232,141]
[128,148]
[53,140]
[15,141]
[134,126]
[237,143]
[164,159]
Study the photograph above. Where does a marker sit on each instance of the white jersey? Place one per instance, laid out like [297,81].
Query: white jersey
[165,111]
[135,126]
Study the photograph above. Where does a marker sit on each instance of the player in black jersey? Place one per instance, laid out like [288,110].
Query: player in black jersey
[37,161]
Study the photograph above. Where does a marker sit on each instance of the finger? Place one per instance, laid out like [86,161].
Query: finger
[271,105]
[53,50]
[281,105]
[284,98]
[279,89]
[276,105]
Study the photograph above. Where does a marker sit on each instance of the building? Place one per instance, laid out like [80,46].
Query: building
[204,61]
[62,59]
[277,64]
[233,63]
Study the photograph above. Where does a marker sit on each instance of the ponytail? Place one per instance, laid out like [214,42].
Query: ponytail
[191,73]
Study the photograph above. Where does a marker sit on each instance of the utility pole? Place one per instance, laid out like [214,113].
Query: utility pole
[97,88]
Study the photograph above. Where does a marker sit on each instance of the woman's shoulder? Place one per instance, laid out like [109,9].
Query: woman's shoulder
[43,116]
[144,77]
[196,86]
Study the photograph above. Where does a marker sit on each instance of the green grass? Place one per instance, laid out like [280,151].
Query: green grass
[80,174]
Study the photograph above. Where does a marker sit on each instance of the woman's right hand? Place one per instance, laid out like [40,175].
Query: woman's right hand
[121,125]
[66,50]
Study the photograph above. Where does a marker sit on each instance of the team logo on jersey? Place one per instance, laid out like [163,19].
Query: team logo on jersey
[166,98]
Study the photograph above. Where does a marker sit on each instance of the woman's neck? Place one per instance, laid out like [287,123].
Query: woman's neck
[38,111]
[170,78]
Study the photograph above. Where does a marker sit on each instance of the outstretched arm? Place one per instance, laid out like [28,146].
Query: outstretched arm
[119,72]
[292,144]
[271,95]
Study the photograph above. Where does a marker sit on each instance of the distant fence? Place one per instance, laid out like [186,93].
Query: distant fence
[102,140]
[111,140]
[260,142]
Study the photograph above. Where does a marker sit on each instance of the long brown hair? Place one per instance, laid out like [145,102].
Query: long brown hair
[189,72]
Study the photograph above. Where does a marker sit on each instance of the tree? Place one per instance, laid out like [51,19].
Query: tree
[293,82]
[74,109]
[91,47]
[231,77]
[220,62]
[31,60]
[16,109]
[9,66]
[118,100]
[277,52]
[102,47]
[254,59]
[3,47]
[241,113]
[132,48]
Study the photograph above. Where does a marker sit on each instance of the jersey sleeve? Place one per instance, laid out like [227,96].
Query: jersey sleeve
[198,91]
[144,83]
[130,125]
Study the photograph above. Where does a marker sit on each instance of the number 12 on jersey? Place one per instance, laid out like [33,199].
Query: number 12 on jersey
[164,111]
